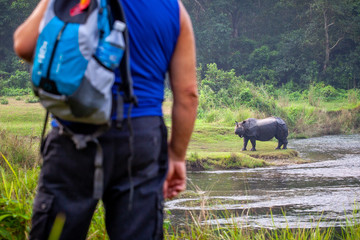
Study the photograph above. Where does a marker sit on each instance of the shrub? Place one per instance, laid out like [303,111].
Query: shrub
[206,100]
[217,79]
[245,95]
[329,93]
[295,96]
[243,114]
[22,151]
[194,156]
[21,79]
[353,96]
[313,96]
[15,91]
[212,116]
[228,117]
[4,101]
[32,99]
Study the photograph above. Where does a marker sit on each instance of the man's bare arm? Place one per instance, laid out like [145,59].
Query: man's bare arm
[26,34]
[185,101]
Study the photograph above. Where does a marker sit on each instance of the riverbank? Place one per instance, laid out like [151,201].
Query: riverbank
[244,159]
[216,147]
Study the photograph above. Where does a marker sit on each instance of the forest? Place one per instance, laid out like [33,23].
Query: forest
[281,42]
[292,43]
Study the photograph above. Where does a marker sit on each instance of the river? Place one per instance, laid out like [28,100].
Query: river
[322,193]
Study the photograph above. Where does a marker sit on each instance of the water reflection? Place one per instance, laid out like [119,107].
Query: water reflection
[325,189]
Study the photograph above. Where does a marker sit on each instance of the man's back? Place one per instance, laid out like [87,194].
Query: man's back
[154,27]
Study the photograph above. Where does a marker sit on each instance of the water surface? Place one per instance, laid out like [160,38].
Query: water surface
[324,192]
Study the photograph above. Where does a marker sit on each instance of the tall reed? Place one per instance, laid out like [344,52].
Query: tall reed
[17,194]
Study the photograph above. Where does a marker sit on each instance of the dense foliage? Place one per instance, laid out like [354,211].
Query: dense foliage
[297,43]
[276,42]
[319,109]
[14,73]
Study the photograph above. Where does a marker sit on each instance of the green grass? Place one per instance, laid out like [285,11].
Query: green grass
[334,105]
[213,145]
[211,139]
[17,194]
[205,225]
[222,160]
[216,146]
[21,118]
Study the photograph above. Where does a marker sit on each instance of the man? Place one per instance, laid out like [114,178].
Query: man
[161,40]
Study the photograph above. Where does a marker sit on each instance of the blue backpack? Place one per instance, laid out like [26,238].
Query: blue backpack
[70,80]
[71,75]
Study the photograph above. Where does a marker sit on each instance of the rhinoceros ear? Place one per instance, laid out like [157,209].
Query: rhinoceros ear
[244,122]
[236,122]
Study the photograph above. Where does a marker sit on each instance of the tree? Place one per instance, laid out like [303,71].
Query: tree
[12,14]
[331,19]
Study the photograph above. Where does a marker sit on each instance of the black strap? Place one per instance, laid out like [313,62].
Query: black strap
[125,73]
[44,128]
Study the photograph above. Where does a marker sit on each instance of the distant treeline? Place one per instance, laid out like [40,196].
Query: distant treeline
[297,42]
[317,110]
[14,73]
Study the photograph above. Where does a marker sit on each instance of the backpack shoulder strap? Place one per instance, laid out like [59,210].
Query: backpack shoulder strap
[127,83]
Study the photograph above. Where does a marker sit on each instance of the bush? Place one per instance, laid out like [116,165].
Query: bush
[313,96]
[353,96]
[217,79]
[15,91]
[243,114]
[4,101]
[32,99]
[21,79]
[22,151]
[221,89]
[321,92]
[245,95]
[329,93]
[212,116]
[206,100]
[295,96]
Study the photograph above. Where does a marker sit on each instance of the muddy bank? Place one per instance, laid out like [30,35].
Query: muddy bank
[246,159]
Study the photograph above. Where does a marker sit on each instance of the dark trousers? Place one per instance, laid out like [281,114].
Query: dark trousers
[67,176]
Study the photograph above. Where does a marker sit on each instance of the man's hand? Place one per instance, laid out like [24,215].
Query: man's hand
[176,179]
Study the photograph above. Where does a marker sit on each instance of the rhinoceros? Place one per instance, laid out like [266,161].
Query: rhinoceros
[263,130]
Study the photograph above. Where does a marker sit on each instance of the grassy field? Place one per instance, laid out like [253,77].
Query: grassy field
[213,146]
[21,118]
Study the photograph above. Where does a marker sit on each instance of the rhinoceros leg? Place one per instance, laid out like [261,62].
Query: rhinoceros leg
[253,143]
[245,144]
[282,143]
[285,144]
